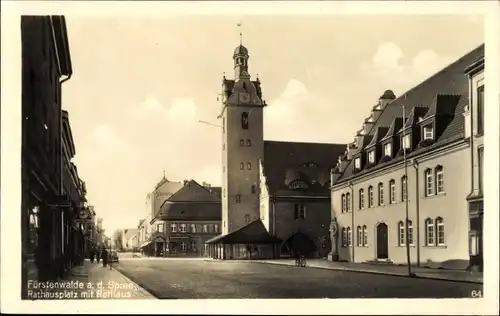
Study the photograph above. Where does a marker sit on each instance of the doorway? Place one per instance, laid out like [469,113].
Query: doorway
[382,241]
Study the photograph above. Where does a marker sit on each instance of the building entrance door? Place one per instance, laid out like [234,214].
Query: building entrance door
[382,241]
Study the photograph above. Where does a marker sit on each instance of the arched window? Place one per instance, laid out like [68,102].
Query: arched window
[401,233]
[348,202]
[429,182]
[359,236]
[439,179]
[429,232]
[380,194]
[343,206]
[440,231]
[361,199]
[249,166]
[298,185]
[403,189]
[344,237]
[365,236]
[370,196]
[349,237]
[392,191]
[410,233]
[252,189]
[244,120]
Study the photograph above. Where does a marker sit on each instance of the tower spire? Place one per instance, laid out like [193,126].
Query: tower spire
[241,33]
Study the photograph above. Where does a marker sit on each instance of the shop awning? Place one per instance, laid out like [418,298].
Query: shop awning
[144,244]
[253,233]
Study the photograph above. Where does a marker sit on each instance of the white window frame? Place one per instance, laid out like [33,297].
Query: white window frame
[205,228]
[193,228]
[343,207]
[365,236]
[401,234]
[440,229]
[348,202]
[183,228]
[407,141]
[410,233]
[392,191]
[174,228]
[380,194]
[361,199]
[357,163]
[370,197]
[439,180]
[344,237]
[429,232]
[349,237]
[429,182]
[371,156]
[216,228]
[183,246]
[404,189]
[388,149]
[359,234]
[428,132]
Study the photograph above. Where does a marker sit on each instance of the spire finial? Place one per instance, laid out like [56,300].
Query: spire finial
[163,174]
[241,33]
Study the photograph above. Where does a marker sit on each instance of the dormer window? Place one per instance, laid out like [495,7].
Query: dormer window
[388,149]
[428,132]
[371,156]
[357,163]
[407,141]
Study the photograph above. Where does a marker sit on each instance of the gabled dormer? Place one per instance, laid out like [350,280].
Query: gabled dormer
[437,118]
[374,149]
[390,142]
[360,158]
[410,134]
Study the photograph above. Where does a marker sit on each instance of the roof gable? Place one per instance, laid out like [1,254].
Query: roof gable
[253,233]
[192,191]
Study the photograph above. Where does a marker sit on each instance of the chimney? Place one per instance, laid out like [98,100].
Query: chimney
[368,124]
[350,150]
[342,163]
[360,136]
[334,175]
[385,99]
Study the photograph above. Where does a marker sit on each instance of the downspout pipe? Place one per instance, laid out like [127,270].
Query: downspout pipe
[417,207]
[351,186]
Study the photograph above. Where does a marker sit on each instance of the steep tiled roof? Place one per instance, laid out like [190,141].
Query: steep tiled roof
[280,158]
[217,191]
[443,104]
[396,125]
[379,134]
[253,233]
[190,211]
[192,191]
[450,80]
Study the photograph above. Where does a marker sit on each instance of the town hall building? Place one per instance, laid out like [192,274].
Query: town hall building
[275,194]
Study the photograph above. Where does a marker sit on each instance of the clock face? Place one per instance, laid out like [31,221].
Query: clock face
[244,97]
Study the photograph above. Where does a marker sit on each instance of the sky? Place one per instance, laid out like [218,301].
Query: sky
[140,86]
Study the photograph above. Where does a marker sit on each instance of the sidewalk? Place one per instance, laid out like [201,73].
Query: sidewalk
[93,281]
[437,274]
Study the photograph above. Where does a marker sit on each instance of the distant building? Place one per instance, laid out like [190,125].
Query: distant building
[186,220]
[275,196]
[130,240]
[370,188]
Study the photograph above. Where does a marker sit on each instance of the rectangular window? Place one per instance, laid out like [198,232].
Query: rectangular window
[480,165]
[183,246]
[380,194]
[205,228]
[440,233]
[242,142]
[357,163]
[371,156]
[370,197]
[429,183]
[249,166]
[407,141]
[296,211]
[388,149]
[365,237]
[174,228]
[480,110]
[302,211]
[359,236]
[193,228]
[348,202]
[249,143]
[403,189]
[439,180]
[238,198]
[410,233]
[216,228]
[428,132]
[429,233]
[242,166]
[401,234]
[361,199]
[349,237]
[183,228]
[344,237]
[392,192]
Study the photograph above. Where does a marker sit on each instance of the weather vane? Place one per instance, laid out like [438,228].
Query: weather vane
[240,25]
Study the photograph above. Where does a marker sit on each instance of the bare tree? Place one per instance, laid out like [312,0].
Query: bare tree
[118,239]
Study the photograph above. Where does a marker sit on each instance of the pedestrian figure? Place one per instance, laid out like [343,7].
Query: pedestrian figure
[98,255]
[104,256]
[92,255]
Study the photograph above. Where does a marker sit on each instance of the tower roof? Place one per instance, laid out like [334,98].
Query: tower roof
[240,50]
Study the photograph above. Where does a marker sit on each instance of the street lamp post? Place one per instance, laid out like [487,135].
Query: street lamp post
[408,259]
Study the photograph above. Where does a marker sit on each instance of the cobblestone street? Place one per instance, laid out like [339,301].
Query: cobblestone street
[184,279]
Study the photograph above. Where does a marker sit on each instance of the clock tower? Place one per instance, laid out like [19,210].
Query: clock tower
[242,145]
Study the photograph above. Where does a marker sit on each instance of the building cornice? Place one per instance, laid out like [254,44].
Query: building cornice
[422,157]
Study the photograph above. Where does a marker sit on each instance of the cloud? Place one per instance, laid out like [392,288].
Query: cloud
[388,66]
